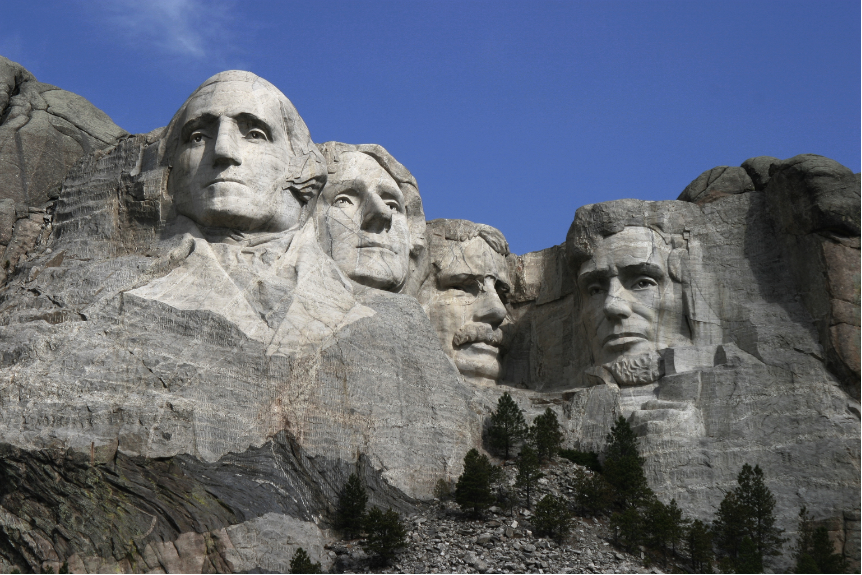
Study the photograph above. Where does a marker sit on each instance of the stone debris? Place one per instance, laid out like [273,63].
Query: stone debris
[443,540]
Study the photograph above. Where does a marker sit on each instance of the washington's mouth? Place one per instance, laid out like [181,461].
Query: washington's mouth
[480,346]
[373,244]
[617,339]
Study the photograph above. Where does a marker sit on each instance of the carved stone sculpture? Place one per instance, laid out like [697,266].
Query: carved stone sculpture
[465,294]
[370,218]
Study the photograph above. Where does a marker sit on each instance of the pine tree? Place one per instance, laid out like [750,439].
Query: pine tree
[385,534]
[546,434]
[473,490]
[747,512]
[678,525]
[814,552]
[301,563]
[758,499]
[552,518]
[699,543]
[623,466]
[528,470]
[351,506]
[593,494]
[507,425]
[657,526]
[627,526]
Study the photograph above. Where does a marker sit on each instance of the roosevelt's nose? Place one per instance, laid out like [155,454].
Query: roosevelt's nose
[227,150]
[376,215]
[489,307]
[615,305]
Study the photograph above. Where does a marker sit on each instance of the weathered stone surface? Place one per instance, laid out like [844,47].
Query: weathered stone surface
[758,170]
[716,183]
[44,131]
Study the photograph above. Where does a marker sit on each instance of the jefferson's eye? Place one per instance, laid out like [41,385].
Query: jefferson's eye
[342,202]
[394,206]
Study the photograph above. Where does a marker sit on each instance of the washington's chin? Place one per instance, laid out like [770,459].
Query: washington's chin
[478,360]
[233,207]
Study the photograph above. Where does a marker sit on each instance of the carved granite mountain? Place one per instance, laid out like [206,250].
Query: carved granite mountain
[186,381]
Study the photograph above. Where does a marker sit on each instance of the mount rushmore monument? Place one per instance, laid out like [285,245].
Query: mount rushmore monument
[204,330]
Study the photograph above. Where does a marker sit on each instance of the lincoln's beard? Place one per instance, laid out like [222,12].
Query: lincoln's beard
[636,369]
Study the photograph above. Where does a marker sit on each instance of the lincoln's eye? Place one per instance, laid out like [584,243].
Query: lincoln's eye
[644,283]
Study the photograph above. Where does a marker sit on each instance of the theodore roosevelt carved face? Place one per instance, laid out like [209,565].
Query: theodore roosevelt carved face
[236,142]
[464,295]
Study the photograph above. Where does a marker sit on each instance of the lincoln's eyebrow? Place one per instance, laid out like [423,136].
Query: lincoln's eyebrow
[193,124]
[593,275]
[644,268]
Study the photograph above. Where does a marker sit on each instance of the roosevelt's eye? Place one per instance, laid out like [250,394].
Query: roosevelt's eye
[644,283]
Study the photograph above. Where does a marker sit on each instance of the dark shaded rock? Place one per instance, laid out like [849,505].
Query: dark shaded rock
[717,183]
[758,170]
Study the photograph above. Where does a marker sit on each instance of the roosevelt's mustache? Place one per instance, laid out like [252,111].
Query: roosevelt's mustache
[478,332]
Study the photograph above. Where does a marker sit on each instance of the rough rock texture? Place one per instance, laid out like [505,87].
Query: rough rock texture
[176,415]
[43,131]
[716,183]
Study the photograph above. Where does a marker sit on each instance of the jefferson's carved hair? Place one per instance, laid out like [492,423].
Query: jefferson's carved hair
[306,173]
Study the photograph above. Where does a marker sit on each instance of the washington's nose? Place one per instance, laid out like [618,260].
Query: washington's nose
[376,215]
[615,305]
[227,144]
[489,307]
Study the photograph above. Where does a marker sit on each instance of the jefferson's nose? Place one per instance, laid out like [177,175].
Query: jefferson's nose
[227,144]
[489,307]
[615,305]
[376,215]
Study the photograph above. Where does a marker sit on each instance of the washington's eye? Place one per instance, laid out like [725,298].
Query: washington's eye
[256,135]
[197,137]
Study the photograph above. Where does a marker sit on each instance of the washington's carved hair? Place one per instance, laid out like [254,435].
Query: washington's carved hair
[306,173]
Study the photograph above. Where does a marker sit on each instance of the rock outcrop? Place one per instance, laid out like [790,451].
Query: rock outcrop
[186,382]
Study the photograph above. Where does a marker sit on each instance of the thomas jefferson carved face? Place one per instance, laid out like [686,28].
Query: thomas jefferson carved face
[464,297]
[232,158]
[630,305]
[362,223]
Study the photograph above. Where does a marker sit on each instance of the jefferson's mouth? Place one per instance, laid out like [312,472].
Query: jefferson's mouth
[221,180]
[373,244]
[622,338]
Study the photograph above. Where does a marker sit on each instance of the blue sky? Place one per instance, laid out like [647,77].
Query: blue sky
[512,114]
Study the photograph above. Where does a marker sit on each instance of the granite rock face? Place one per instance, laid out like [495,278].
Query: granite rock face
[195,355]
[43,131]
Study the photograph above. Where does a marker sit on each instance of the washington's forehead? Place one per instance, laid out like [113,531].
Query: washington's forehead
[236,97]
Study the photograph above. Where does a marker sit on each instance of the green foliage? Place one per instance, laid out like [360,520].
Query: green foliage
[593,495]
[678,525]
[385,534]
[528,470]
[747,512]
[546,434]
[588,459]
[657,526]
[749,559]
[507,425]
[699,543]
[623,467]
[351,506]
[64,568]
[301,563]
[552,518]
[473,490]
[814,552]
[627,526]
[442,490]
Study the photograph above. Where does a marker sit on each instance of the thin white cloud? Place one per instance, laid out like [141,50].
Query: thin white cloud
[188,28]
